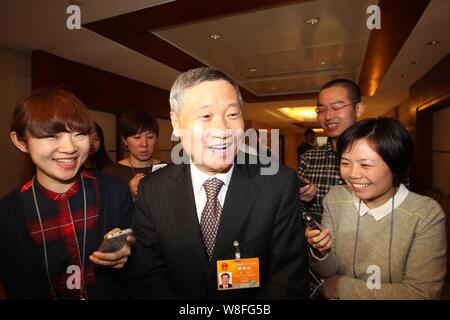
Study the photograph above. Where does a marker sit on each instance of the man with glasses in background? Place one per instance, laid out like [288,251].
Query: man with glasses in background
[338,107]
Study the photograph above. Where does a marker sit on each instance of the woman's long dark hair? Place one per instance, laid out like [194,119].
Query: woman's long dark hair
[100,159]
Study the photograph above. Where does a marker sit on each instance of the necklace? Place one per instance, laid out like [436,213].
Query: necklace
[149,168]
[47,267]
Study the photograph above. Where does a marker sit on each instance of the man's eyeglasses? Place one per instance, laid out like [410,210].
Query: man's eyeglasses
[334,107]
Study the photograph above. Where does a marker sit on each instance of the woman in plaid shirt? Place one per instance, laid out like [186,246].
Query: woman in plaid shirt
[51,227]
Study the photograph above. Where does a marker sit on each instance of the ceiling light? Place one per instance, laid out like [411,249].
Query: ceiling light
[318,130]
[273,88]
[214,36]
[312,21]
[322,62]
[302,114]
[416,61]
[252,69]
[433,43]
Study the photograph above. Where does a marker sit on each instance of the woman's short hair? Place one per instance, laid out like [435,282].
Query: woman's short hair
[49,111]
[388,137]
[137,121]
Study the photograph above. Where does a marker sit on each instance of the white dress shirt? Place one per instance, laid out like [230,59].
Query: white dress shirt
[198,178]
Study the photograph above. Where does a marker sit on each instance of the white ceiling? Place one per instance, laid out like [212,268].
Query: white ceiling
[278,43]
[26,25]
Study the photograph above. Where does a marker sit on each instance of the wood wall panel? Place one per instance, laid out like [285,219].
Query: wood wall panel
[433,85]
[98,89]
[398,19]
[433,90]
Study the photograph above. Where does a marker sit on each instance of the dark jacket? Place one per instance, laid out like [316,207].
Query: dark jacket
[22,267]
[260,211]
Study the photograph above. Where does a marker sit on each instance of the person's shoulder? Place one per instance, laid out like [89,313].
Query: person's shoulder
[338,193]
[10,198]
[304,143]
[15,194]
[422,206]
[269,168]
[317,150]
[161,175]
[314,153]
[8,203]
[168,169]
[106,181]
[112,167]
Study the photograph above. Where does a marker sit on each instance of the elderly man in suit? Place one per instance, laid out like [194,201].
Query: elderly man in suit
[190,216]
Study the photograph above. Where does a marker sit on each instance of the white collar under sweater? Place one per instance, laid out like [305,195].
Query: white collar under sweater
[382,211]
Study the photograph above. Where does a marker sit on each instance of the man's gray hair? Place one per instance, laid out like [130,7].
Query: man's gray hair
[193,77]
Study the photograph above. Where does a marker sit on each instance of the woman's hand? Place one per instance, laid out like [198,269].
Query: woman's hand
[133,184]
[319,240]
[116,259]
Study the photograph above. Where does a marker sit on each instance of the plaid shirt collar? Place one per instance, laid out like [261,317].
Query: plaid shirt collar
[328,148]
[60,196]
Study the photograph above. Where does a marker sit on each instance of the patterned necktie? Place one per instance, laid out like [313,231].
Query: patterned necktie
[212,211]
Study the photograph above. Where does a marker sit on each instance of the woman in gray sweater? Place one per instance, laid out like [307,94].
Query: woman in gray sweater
[378,240]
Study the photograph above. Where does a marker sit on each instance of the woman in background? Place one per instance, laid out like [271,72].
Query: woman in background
[139,133]
[379,240]
[98,157]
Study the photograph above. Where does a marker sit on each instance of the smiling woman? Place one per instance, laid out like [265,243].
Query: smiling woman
[380,240]
[52,225]
[53,127]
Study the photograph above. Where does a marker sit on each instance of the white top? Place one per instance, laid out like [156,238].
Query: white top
[382,211]
[198,178]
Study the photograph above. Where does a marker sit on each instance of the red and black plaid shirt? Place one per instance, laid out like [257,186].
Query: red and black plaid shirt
[63,224]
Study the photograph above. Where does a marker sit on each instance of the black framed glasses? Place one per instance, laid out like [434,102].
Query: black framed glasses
[334,107]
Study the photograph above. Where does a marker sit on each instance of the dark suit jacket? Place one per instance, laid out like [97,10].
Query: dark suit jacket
[229,286]
[260,211]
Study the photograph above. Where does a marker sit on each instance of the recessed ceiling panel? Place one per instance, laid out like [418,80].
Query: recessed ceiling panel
[276,48]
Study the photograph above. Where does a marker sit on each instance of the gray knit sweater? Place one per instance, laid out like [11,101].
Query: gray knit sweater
[418,251]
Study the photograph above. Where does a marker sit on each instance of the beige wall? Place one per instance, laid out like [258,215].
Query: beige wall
[15,82]
[441,150]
